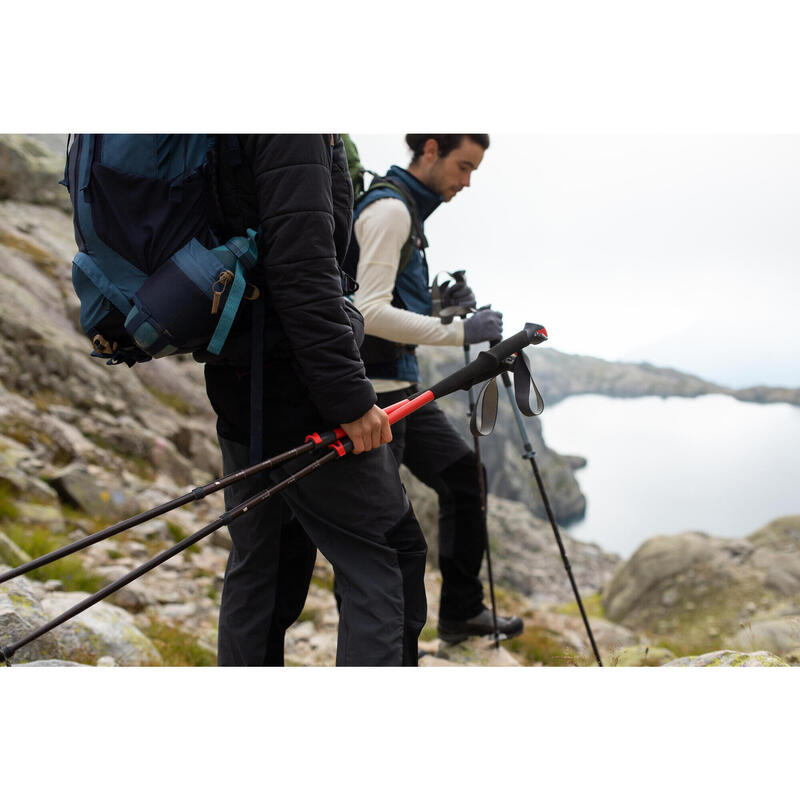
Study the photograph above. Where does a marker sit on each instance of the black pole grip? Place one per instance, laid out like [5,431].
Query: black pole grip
[489,362]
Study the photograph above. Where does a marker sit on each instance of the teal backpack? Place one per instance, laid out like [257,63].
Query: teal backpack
[152,277]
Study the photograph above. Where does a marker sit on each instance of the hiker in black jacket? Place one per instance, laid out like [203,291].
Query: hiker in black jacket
[296,191]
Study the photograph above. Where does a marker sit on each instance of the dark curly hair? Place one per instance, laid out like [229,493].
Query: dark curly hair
[446,142]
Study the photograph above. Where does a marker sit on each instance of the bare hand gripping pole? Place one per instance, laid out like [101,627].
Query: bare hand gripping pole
[489,364]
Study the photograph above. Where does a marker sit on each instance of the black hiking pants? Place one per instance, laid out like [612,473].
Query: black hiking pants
[432,449]
[354,510]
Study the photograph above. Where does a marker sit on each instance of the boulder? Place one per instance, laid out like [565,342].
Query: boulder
[729,658]
[21,613]
[40,514]
[11,553]
[781,635]
[30,172]
[98,631]
[15,461]
[708,592]
[79,487]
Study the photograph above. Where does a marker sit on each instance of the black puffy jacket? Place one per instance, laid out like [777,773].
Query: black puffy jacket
[301,197]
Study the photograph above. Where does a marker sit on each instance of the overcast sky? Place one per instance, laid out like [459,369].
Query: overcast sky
[682,250]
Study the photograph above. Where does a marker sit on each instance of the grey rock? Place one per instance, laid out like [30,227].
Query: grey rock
[48,516]
[729,658]
[780,636]
[13,470]
[100,630]
[30,171]
[11,553]
[52,662]
[77,486]
[709,591]
[21,614]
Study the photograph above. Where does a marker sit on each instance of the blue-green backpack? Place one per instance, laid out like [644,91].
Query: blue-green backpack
[152,277]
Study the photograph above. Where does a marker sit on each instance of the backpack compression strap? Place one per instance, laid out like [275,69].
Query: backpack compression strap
[240,254]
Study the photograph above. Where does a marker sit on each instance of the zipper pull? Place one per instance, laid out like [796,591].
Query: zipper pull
[219,289]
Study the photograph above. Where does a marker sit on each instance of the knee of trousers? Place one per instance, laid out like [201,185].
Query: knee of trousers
[409,544]
[406,536]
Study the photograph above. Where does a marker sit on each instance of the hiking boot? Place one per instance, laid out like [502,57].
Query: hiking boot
[455,631]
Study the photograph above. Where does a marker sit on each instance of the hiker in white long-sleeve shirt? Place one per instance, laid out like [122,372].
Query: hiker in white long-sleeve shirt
[387,257]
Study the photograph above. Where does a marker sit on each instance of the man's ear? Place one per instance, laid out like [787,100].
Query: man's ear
[431,151]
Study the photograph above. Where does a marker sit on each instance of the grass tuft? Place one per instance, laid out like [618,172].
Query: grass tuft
[37,540]
[178,649]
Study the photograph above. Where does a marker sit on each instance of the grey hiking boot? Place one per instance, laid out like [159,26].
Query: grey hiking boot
[455,631]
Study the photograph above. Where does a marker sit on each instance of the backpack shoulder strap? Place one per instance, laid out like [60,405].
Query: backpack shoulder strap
[416,238]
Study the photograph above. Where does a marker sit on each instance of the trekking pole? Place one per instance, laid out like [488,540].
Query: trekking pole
[313,441]
[482,493]
[6,653]
[198,493]
[488,364]
[458,277]
[530,455]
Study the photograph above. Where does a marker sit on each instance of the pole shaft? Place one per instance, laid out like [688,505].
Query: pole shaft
[484,521]
[196,494]
[224,519]
[529,454]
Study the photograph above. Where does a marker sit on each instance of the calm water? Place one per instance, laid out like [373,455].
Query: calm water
[658,465]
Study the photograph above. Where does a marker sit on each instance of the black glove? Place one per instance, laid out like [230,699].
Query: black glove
[457,294]
[484,325]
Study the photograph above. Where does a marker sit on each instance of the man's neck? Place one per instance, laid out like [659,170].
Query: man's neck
[417,173]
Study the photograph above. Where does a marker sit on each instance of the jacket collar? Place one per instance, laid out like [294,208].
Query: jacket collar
[427,200]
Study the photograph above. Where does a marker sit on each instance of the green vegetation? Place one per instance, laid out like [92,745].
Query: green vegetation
[323,583]
[8,508]
[429,633]
[170,400]
[28,248]
[177,534]
[178,649]
[309,615]
[37,540]
[14,429]
[540,646]
[592,605]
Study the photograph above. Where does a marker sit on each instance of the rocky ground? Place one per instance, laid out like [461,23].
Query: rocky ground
[83,445]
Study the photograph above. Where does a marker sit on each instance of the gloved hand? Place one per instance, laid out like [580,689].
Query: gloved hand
[457,294]
[484,325]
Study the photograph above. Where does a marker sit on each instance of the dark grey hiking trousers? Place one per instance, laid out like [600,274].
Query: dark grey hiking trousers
[356,512]
[428,444]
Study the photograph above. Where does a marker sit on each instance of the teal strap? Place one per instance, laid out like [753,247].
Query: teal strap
[245,252]
[229,311]
[87,265]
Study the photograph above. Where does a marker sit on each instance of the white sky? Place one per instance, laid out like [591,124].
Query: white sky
[682,250]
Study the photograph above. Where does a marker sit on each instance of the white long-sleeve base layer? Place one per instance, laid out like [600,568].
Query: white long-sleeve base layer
[382,229]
